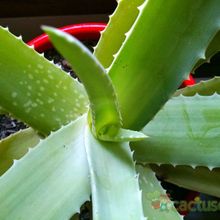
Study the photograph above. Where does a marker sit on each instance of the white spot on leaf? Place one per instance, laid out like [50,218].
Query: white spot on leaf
[40,66]
[14,94]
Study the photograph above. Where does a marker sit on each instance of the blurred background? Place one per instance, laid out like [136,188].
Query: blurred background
[25,16]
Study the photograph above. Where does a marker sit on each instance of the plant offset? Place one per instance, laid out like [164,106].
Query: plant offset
[103,138]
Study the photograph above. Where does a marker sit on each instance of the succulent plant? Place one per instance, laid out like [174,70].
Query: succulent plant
[104,138]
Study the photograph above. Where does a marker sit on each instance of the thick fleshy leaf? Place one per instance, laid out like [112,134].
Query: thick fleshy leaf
[103,103]
[114,184]
[214,46]
[34,90]
[75,217]
[205,88]
[124,135]
[200,179]
[152,193]
[160,50]
[15,146]
[212,49]
[185,132]
[120,22]
[51,181]
[2,111]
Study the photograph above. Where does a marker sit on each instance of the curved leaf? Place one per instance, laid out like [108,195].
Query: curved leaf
[15,146]
[103,103]
[114,184]
[34,90]
[185,132]
[159,53]
[212,49]
[200,179]
[115,33]
[206,88]
[51,181]
[152,191]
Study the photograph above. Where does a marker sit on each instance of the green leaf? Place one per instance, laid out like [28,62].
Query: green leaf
[212,49]
[124,135]
[208,87]
[75,217]
[185,132]
[34,90]
[2,111]
[103,103]
[159,53]
[214,46]
[15,146]
[114,184]
[156,202]
[115,33]
[200,179]
[49,182]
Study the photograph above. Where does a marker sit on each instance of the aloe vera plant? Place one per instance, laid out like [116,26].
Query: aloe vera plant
[96,138]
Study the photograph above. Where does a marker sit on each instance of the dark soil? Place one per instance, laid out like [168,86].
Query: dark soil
[210,69]
[52,54]
[9,126]
[85,212]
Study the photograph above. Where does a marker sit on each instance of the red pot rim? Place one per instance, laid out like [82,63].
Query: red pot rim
[84,31]
[188,82]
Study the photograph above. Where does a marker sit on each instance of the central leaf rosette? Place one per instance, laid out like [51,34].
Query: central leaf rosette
[104,114]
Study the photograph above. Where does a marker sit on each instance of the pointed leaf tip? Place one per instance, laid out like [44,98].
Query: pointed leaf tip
[124,135]
[105,115]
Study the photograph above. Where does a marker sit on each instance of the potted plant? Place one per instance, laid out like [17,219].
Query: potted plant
[89,34]
[82,134]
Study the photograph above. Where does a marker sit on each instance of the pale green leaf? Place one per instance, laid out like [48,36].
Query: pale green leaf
[34,90]
[114,184]
[205,88]
[152,194]
[15,146]
[159,52]
[115,33]
[124,135]
[51,181]
[200,179]
[185,132]
[103,103]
